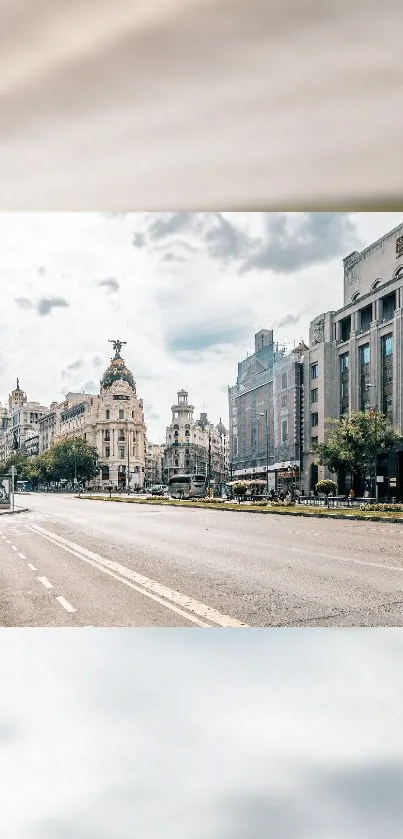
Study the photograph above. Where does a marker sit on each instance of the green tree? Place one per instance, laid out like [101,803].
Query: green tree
[72,458]
[326,486]
[20,461]
[240,489]
[351,444]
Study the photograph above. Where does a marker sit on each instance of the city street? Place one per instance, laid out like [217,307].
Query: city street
[76,562]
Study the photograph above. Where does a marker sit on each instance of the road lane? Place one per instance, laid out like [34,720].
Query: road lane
[259,570]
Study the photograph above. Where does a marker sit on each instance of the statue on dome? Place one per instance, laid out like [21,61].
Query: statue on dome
[117,346]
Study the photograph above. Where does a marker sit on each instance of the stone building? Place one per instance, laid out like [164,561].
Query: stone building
[154,473]
[355,357]
[20,423]
[266,414]
[112,422]
[195,446]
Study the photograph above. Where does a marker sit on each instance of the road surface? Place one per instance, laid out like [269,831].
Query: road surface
[76,562]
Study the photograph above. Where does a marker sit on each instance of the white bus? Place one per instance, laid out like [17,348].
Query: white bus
[188,486]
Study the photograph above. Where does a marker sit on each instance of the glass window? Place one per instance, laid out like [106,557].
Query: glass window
[121,413]
[314,370]
[107,451]
[314,441]
[284,381]
[284,431]
[387,345]
[107,413]
[314,419]
[314,395]
[283,401]
[365,354]
[121,451]
[344,363]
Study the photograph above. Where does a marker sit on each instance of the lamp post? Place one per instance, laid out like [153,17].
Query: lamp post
[75,463]
[128,457]
[375,409]
[209,462]
[265,414]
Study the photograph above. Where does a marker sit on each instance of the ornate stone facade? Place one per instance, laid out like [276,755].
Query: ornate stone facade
[112,422]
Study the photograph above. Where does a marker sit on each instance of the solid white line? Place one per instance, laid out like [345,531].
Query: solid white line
[21,556]
[32,567]
[151,588]
[66,605]
[45,582]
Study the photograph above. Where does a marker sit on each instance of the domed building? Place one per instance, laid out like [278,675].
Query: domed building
[112,422]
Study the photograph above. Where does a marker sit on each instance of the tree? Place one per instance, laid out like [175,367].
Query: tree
[327,487]
[351,444]
[71,459]
[240,489]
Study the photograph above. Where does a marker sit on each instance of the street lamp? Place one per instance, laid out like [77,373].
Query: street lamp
[368,387]
[75,463]
[266,415]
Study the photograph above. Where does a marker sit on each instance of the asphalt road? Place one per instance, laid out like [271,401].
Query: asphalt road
[72,562]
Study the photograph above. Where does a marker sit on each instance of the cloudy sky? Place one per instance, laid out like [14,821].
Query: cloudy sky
[187,291]
[283,734]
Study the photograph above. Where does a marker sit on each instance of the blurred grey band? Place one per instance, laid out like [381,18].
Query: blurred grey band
[200,104]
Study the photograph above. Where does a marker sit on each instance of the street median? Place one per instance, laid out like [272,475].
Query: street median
[391,516]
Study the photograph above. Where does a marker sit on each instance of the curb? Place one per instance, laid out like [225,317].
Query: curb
[14,512]
[253,510]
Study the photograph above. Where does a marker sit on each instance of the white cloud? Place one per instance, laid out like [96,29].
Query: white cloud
[72,281]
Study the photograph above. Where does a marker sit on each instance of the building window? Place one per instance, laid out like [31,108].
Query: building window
[387,376]
[314,419]
[284,431]
[366,318]
[107,451]
[121,451]
[121,413]
[388,306]
[344,363]
[283,401]
[314,395]
[107,413]
[314,370]
[314,441]
[345,329]
[344,391]
[284,383]
[107,435]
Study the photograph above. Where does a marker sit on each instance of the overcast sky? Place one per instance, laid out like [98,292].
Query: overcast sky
[187,291]
[178,735]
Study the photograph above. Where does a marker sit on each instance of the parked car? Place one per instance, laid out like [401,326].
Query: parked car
[158,489]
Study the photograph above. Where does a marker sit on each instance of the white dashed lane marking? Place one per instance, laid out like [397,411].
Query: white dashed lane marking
[32,567]
[66,605]
[14,548]
[45,582]
[21,556]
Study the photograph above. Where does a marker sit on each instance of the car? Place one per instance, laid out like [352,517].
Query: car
[158,489]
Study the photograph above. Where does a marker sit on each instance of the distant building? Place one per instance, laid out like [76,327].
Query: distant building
[195,446]
[266,414]
[154,464]
[20,423]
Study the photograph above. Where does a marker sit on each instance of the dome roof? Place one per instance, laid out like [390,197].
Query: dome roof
[221,428]
[117,371]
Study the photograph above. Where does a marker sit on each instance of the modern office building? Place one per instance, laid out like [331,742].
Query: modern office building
[355,358]
[266,414]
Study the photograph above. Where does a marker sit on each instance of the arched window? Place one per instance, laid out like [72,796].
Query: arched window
[375,285]
[355,297]
[398,273]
